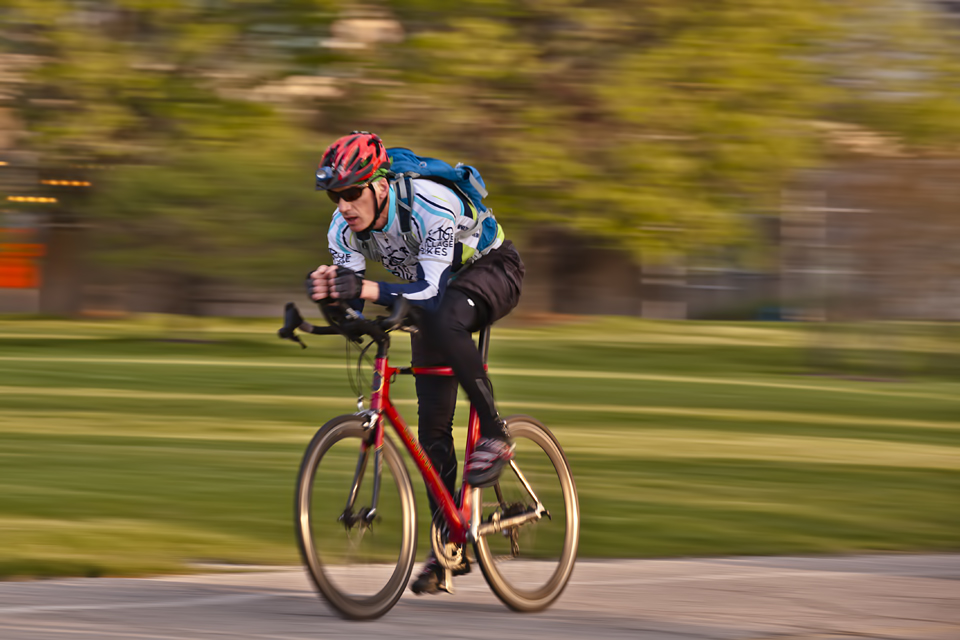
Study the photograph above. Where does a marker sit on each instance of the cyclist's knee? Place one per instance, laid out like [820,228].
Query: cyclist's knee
[440,452]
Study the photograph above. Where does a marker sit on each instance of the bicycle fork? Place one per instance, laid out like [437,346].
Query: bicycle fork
[366,515]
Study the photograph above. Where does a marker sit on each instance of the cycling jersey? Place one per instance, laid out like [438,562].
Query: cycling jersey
[438,214]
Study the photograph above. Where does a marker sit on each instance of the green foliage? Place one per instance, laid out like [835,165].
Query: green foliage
[235,212]
[120,79]
[654,124]
[207,182]
[901,73]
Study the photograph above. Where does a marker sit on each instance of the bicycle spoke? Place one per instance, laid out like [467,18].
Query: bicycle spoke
[529,561]
[361,567]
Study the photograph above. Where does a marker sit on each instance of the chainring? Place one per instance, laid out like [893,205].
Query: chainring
[448,554]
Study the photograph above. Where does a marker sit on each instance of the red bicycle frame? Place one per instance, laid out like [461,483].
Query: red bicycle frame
[458,518]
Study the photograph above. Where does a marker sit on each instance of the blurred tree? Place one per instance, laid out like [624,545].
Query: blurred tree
[899,72]
[118,80]
[170,85]
[233,214]
[654,123]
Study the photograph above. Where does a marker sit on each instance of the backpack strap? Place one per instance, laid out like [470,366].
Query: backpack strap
[478,218]
[406,191]
[368,247]
[473,180]
[405,194]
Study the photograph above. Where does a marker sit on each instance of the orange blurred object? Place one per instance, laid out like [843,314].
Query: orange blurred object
[19,268]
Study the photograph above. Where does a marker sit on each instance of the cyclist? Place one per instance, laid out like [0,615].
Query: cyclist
[458,281]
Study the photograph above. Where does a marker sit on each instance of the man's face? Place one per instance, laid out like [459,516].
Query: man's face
[361,212]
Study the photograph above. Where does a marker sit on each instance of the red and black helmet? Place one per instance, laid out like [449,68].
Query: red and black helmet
[355,159]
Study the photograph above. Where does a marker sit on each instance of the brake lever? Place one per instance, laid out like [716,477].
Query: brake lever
[291,336]
[292,320]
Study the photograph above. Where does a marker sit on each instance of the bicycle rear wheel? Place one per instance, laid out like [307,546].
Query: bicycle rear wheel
[528,566]
[359,563]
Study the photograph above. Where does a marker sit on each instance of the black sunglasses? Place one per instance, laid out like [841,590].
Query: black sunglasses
[349,194]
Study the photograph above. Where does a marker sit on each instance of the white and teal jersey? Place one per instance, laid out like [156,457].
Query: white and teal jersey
[437,222]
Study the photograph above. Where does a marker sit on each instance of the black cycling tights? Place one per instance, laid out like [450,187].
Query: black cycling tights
[445,340]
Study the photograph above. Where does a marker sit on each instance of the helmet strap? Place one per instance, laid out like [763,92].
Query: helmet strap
[378,211]
[380,206]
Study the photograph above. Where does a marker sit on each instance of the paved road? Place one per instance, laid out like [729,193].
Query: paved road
[909,597]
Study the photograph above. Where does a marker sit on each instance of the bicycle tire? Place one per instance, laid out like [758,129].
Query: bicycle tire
[533,575]
[360,576]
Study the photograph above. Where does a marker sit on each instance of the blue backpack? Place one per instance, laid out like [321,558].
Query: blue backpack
[463,180]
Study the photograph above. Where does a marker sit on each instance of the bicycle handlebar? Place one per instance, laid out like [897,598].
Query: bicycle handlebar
[345,322]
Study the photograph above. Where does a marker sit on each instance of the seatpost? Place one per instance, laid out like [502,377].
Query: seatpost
[484,343]
[473,533]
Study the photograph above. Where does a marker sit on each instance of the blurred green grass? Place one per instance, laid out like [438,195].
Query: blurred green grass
[149,445]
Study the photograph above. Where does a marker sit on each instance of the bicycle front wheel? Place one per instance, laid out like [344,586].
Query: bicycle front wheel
[360,561]
[528,566]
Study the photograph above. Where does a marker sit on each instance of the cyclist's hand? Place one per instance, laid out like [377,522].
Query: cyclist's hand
[346,284]
[320,282]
